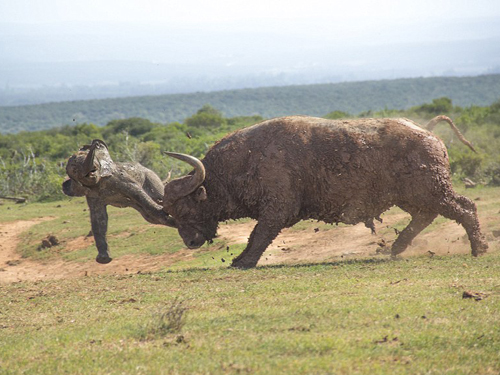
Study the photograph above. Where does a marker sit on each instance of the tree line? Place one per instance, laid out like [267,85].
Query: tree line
[32,164]
[313,100]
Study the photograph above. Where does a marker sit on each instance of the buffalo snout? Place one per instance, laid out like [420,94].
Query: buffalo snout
[192,238]
[73,189]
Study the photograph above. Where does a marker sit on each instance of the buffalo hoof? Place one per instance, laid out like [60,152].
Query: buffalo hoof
[243,265]
[103,260]
[481,251]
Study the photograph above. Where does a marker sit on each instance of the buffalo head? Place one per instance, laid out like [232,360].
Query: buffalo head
[186,200]
[86,168]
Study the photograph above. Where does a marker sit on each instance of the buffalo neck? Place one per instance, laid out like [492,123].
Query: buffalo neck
[222,202]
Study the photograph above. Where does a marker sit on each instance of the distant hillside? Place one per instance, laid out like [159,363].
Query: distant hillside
[316,100]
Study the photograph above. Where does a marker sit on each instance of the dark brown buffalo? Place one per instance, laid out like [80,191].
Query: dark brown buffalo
[289,169]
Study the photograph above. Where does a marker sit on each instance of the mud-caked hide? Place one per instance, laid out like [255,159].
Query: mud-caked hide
[294,168]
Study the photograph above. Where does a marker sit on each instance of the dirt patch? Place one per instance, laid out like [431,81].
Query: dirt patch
[11,263]
[79,243]
[292,246]
[346,242]
[14,268]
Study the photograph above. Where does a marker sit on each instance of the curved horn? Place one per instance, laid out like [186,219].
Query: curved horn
[99,141]
[199,171]
[88,163]
[170,222]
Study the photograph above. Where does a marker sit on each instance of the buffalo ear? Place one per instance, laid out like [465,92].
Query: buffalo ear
[201,194]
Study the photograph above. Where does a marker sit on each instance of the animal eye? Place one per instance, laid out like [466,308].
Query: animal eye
[91,173]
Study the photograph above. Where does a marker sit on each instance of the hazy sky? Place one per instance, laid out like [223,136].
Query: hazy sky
[194,12]
[279,34]
[348,21]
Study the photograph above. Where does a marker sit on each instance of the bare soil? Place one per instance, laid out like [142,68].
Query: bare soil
[313,244]
[15,268]
[347,242]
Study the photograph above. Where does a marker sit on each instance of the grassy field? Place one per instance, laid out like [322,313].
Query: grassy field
[359,317]
[363,316]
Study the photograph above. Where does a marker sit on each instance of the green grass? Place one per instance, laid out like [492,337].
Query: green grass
[358,317]
[128,233]
[365,316]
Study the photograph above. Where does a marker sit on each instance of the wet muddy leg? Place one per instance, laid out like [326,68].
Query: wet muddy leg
[260,238]
[419,221]
[99,225]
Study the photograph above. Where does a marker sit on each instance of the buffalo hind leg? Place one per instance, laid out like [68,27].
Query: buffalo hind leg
[260,238]
[419,221]
[464,212]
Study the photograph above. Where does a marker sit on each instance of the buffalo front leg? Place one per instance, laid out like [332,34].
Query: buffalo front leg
[99,224]
[419,221]
[260,238]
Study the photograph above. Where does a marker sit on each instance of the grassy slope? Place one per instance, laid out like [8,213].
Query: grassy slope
[367,316]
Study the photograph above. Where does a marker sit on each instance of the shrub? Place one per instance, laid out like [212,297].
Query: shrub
[166,320]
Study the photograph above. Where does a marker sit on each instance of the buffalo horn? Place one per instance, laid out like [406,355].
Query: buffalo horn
[199,171]
[171,222]
[88,163]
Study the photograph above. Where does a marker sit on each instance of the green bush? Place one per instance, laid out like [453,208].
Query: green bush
[206,117]
[33,163]
[437,107]
[467,163]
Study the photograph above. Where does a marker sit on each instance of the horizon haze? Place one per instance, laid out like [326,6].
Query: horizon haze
[55,51]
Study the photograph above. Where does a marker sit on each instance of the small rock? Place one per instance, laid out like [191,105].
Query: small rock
[180,339]
[45,244]
[48,242]
[478,296]
[53,240]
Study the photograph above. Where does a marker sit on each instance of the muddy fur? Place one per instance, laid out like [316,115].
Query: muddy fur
[294,168]
[93,174]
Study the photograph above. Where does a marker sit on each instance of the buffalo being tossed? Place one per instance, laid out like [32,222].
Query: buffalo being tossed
[93,174]
[288,169]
